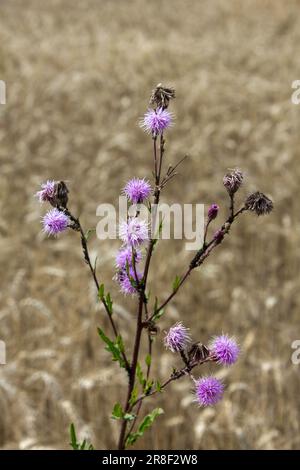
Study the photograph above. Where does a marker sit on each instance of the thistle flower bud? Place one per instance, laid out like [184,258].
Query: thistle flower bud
[259,203]
[213,211]
[161,96]
[233,180]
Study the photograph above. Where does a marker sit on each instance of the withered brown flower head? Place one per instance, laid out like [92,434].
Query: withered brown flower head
[161,96]
[233,181]
[198,352]
[259,203]
[61,194]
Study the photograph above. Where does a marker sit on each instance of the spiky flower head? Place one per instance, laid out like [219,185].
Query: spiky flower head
[155,121]
[47,192]
[55,222]
[233,181]
[126,255]
[224,350]
[133,232]
[259,203]
[161,96]
[177,338]
[137,190]
[208,391]
[213,211]
[128,281]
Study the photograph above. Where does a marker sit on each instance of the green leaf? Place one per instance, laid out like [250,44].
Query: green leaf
[158,386]
[109,303]
[117,412]
[101,292]
[176,283]
[134,395]
[77,445]
[145,424]
[148,360]
[128,417]
[114,348]
[74,444]
[140,375]
[89,232]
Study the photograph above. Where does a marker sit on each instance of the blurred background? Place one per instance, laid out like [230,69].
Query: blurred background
[78,77]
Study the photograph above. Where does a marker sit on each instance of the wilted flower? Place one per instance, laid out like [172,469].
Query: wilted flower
[47,193]
[137,190]
[125,255]
[177,338]
[224,350]
[161,96]
[156,121]
[233,180]
[259,203]
[128,280]
[134,232]
[208,391]
[213,211]
[55,222]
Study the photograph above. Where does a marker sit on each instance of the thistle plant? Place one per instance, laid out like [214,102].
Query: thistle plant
[132,266]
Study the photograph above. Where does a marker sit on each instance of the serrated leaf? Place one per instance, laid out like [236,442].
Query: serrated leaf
[128,417]
[113,348]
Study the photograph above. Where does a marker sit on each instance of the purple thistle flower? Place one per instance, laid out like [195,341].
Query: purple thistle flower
[213,211]
[208,391]
[47,193]
[156,121]
[177,338]
[55,222]
[225,350]
[137,190]
[134,232]
[128,280]
[124,257]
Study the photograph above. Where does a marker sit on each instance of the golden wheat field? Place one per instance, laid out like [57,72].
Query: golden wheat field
[78,77]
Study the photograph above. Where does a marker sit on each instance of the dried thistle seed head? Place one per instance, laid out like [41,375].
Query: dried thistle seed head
[259,203]
[198,352]
[161,96]
[233,181]
[61,194]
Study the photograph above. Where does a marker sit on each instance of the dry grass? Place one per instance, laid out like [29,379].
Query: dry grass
[78,75]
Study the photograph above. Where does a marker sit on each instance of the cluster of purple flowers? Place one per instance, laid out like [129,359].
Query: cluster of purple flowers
[133,232]
[223,350]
